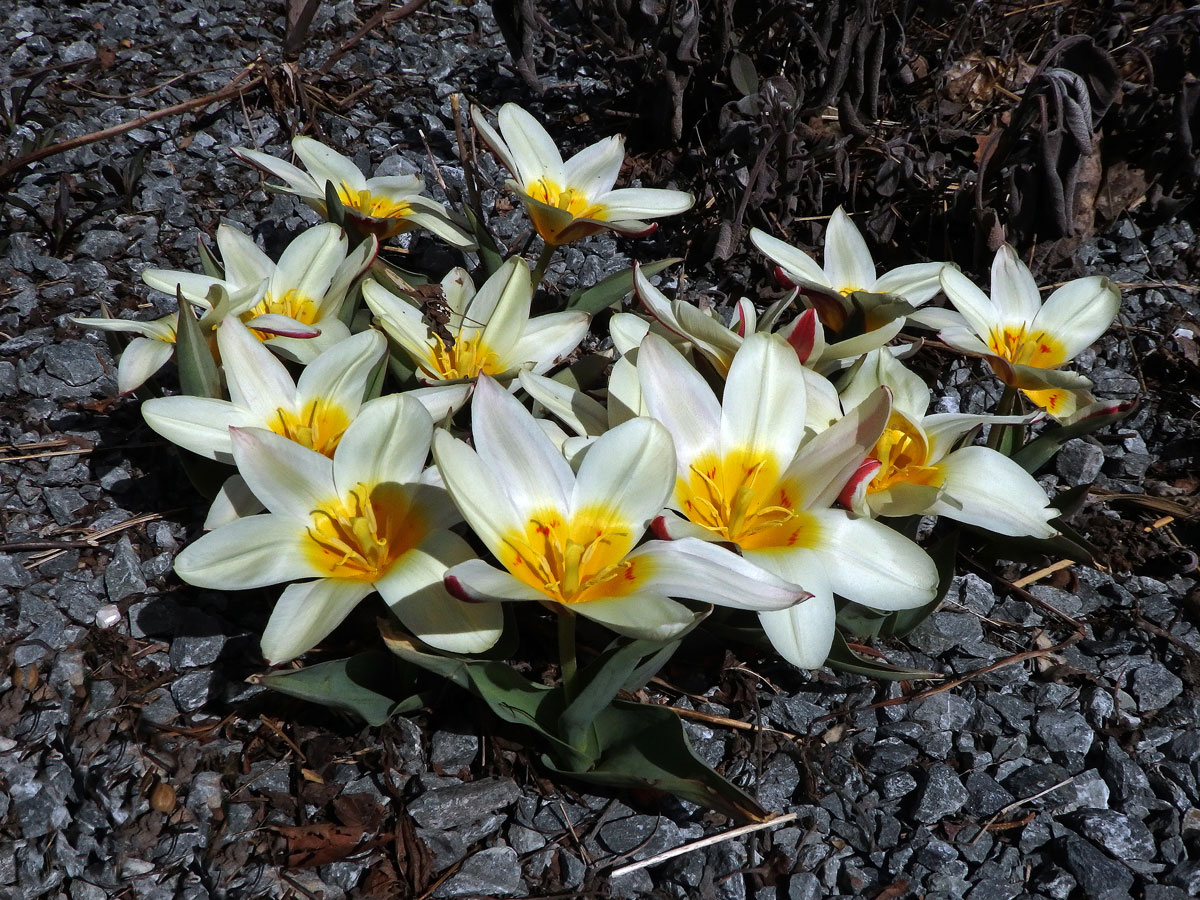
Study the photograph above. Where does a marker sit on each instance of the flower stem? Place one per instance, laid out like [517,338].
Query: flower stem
[543,263]
[566,653]
[1006,407]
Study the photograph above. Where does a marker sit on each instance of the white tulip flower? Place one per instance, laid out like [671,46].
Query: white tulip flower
[570,200]
[571,540]
[366,520]
[385,206]
[748,476]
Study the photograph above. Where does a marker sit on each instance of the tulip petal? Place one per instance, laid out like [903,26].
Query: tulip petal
[1014,292]
[917,283]
[1078,313]
[679,397]
[705,572]
[257,380]
[829,459]
[848,262]
[387,442]
[547,340]
[141,359]
[249,553]
[475,581]
[402,321]
[534,474]
[308,264]
[581,413]
[801,634]
[987,489]
[233,501]
[501,307]
[193,286]
[531,149]
[198,424]
[628,473]
[763,410]
[643,616]
[339,376]
[414,591]
[644,203]
[594,169]
[289,479]
[306,613]
[801,267]
[494,141]
[245,264]
[298,181]
[326,164]
[871,564]
[478,492]
[972,303]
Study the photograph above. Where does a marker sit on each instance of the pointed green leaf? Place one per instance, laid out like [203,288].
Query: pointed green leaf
[598,683]
[646,747]
[614,288]
[198,373]
[208,263]
[1041,449]
[335,210]
[489,255]
[361,685]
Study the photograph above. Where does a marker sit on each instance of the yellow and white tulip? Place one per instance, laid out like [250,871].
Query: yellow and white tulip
[1025,340]
[384,206]
[749,476]
[571,540]
[914,468]
[570,200]
[367,520]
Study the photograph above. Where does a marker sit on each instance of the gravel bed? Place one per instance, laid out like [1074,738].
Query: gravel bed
[136,760]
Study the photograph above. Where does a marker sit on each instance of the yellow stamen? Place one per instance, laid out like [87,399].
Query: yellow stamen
[358,537]
[572,561]
[904,453]
[373,205]
[742,499]
[467,357]
[568,199]
[293,304]
[1026,348]
[319,425]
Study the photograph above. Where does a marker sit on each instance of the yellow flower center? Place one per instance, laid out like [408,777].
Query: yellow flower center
[572,561]
[358,537]
[293,304]
[319,425]
[742,499]
[903,452]
[1026,348]
[467,357]
[568,199]
[373,205]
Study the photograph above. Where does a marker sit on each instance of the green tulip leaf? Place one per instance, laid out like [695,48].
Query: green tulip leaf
[614,288]
[645,746]
[198,375]
[358,685]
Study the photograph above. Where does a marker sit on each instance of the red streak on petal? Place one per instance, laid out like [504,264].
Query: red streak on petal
[865,472]
[803,334]
[782,277]
[660,528]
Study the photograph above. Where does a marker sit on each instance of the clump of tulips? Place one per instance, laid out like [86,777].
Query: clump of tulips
[434,443]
